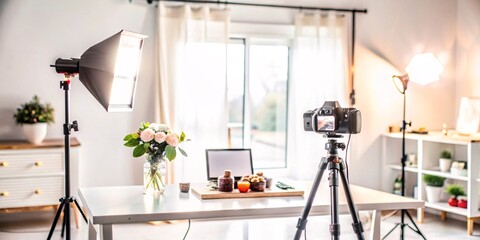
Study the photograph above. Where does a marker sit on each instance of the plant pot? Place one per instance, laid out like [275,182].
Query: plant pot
[433,193]
[453,202]
[445,164]
[462,202]
[35,132]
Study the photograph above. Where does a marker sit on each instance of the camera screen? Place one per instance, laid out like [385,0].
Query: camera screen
[325,123]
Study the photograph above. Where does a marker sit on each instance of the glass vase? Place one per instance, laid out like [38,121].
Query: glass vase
[154,171]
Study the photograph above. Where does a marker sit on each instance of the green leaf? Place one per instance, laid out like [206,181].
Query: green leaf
[128,137]
[138,151]
[183,152]
[182,137]
[146,145]
[170,152]
[132,142]
[135,135]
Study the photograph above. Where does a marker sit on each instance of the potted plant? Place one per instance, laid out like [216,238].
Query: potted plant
[434,187]
[34,117]
[454,190]
[445,160]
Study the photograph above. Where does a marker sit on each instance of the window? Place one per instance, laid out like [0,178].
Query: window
[257,83]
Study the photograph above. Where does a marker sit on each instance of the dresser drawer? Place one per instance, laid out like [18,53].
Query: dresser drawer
[23,164]
[26,192]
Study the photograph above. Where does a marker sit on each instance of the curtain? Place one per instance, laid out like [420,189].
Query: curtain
[319,74]
[191,82]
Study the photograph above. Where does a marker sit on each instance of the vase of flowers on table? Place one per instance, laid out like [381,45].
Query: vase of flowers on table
[158,142]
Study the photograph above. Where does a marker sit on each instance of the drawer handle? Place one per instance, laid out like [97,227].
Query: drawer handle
[38,191]
[3,164]
[38,164]
[4,194]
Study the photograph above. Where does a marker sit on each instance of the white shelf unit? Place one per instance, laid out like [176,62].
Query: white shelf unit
[427,148]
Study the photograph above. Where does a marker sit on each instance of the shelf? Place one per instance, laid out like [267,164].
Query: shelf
[443,206]
[435,136]
[445,175]
[407,169]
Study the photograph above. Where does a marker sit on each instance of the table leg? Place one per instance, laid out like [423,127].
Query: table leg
[245,230]
[106,231]
[92,233]
[375,227]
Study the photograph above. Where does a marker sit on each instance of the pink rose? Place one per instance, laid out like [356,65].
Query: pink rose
[160,137]
[147,135]
[172,139]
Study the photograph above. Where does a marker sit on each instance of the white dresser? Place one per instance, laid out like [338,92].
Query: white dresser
[34,175]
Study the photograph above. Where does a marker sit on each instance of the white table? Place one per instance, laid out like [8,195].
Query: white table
[107,206]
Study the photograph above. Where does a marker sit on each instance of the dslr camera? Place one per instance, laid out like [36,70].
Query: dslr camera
[332,119]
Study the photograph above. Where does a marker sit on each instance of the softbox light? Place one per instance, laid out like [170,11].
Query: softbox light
[109,70]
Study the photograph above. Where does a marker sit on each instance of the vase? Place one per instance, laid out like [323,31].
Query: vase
[35,132]
[154,171]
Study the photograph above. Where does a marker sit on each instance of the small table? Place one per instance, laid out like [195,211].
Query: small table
[107,206]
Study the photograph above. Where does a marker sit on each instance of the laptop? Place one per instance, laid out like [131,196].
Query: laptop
[239,161]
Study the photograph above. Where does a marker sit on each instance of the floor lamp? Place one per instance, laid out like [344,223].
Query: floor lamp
[109,71]
[422,69]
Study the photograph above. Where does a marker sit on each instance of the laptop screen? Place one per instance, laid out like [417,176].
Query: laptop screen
[239,161]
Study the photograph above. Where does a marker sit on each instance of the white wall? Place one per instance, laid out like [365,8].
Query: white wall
[33,33]
[468,50]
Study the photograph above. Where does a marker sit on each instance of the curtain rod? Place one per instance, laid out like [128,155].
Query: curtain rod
[266,5]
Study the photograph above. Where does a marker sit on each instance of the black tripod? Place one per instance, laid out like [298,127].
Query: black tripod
[335,165]
[404,212]
[67,199]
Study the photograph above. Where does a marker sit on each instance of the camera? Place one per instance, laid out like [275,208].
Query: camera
[331,118]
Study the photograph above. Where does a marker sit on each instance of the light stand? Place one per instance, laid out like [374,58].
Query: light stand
[336,166]
[67,199]
[402,88]
[109,70]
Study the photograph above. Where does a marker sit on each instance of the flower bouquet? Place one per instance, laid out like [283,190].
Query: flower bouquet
[157,141]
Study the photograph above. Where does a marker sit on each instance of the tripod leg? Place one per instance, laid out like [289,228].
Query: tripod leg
[334,221]
[357,225]
[302,221]
[57,215]
[417,230]
[396,225]
[63,227]
[80,210]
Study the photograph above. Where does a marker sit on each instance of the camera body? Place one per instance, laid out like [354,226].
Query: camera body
[331,118]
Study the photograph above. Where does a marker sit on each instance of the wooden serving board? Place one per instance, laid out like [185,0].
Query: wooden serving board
[205,193]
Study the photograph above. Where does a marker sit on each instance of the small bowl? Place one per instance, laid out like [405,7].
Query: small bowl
[257,186]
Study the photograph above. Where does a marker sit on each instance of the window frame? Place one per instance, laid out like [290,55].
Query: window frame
[271,35]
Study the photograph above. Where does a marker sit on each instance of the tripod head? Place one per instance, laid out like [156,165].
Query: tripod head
[332,145]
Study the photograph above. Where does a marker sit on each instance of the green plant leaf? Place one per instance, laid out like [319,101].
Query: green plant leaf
[183,152]
[182,137]
[138,151]
[128,137]
[132,142]
[146,145]
[135,135]
[170,152]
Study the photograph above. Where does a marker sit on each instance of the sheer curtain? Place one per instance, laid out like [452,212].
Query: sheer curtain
[191,81]
[319,74]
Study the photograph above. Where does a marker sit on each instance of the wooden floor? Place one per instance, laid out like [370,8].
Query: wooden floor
[35,225]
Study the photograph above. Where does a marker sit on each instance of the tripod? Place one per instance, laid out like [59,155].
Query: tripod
[67,199]
[404,212]
[335,165]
